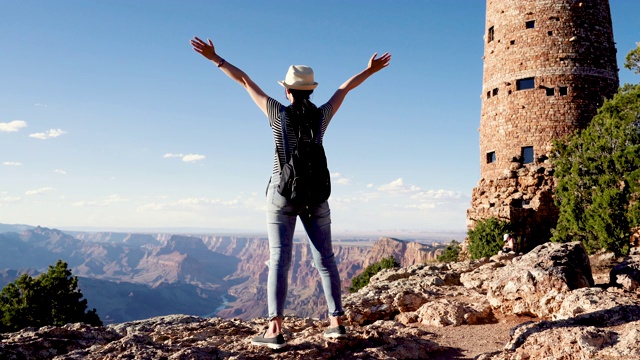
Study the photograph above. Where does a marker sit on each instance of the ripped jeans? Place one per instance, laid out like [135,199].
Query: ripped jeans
[281,223]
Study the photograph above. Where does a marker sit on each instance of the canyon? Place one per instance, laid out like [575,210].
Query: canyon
[133,276]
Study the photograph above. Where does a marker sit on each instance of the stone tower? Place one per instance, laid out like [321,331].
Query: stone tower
[548,65]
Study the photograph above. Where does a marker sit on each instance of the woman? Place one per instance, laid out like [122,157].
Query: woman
[299,83]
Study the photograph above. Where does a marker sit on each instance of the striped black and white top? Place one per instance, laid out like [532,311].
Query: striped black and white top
[274,108]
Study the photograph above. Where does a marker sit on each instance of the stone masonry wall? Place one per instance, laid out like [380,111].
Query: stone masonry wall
[548,65]
[522,195]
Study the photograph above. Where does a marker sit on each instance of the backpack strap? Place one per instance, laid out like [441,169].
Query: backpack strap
[320,121]
[283,128]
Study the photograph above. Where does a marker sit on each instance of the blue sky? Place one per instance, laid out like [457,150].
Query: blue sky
[109,120]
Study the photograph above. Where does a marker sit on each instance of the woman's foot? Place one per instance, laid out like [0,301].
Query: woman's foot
[335,330]
[277,342]
[272,337]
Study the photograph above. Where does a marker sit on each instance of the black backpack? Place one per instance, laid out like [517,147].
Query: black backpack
[304,178]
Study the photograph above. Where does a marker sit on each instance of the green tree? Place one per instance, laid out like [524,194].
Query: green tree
[598,176]
[451,253]
[485,239]
[632,60]
[53,298]
[362,280]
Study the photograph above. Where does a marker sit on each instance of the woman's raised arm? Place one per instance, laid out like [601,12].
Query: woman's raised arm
[207,50]
[374,66]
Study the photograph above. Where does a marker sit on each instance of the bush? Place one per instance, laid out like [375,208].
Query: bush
[451,253]
[362,280]
[52,298]
[598,175]
[486,238]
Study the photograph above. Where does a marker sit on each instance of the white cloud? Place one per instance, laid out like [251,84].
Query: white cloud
[339,179]
[193,157]
[422,206]
[437,194]
[38,191]
[8,200]
[170,155]
[185,158]
[49,134]
[397,186]
[11,163]
[13,126]
[111,199]
[84,203]
[189,203]
[60,171]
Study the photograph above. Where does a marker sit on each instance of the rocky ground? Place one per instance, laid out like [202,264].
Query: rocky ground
[552,303]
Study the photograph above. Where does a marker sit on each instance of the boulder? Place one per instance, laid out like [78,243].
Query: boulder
[606,334]
[532,284]
[626,274]
[454,313]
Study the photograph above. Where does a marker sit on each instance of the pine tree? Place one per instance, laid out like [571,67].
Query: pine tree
[53,298]
[598,175]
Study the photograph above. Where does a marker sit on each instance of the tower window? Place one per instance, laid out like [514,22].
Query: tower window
[527,154]
[524,84]
[490,35]
[550,91]
[488,94]
[491,157]
[495,92]
[563,90]
[530,24]
[512,42]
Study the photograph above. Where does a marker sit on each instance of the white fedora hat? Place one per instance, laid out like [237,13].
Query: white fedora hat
[299,77]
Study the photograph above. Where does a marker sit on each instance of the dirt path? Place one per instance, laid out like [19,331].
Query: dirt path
[468,341]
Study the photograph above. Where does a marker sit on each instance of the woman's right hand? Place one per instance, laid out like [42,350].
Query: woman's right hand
[380,63]
[205,49]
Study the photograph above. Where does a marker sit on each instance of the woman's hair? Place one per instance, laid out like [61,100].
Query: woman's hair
[302,108]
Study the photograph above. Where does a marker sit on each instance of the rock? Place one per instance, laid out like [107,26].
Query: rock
[187,337]
[387,318]
[532,284]
[591,300]
[607,334]
[627,282]
[626,274]
[454,313]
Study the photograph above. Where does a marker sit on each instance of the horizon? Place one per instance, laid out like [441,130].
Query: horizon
[109,120]
[405,235]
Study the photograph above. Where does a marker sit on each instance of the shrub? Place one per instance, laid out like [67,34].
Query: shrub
[486,238]
[362,280]
[451,253]
[52,298]
[598,175]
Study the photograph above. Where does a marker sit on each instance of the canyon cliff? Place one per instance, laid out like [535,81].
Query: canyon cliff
[135,276]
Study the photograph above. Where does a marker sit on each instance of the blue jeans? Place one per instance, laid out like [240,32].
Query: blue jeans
[281,223]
